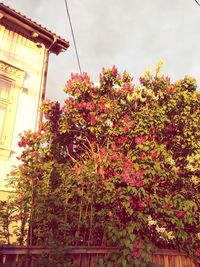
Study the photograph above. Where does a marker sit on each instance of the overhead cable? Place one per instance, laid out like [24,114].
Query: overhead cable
[72,32]
[197,2]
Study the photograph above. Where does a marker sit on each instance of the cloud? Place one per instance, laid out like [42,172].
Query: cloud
[132,34]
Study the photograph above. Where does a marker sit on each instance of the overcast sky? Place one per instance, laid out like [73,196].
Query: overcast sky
[132,34]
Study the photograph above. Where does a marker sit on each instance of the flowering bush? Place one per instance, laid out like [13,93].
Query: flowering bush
[115,166]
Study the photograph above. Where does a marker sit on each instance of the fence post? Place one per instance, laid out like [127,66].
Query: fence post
[10,261]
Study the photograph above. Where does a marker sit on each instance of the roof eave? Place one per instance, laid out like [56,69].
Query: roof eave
[54,43]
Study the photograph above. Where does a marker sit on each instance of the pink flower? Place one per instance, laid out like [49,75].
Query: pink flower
[167,79]
[142,155]
[168,207]
[80,105]
[68,102]
[90,105]
[126,118]
[125,176]
[73,120]
[139,140]
[66,109]
[134,182]
[129,175]
[35,154]
[47,116]
[133,203]
[103,151]
[42,127]
[170,90]
[137,249]
[101,105]
[137,204]
[114,70]
[113,146]
[23,142]
[197,252]
[180,213]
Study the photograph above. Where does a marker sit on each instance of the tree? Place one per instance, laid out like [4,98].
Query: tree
[115,166]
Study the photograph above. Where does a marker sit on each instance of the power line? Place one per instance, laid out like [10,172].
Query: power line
[197,2]
[76,50]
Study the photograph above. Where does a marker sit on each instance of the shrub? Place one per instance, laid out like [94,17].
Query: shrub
[116,165]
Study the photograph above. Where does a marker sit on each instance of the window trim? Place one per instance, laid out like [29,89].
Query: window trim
[16,77]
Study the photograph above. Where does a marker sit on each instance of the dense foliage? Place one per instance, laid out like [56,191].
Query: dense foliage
[117,165]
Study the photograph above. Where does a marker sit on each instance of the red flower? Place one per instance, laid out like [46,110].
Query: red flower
[137,249]
[142,155]
[149,199]
[139,140]
[168,207]
[154,154]
[180,213]
[197,252]
[137,204]
[141,205]
[93,119]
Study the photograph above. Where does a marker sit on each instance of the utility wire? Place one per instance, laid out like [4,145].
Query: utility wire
[76,50]
[197,2]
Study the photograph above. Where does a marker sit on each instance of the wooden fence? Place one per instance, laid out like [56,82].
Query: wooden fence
[11,256]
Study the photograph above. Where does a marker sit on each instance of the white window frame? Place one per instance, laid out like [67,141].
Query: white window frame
[16,77]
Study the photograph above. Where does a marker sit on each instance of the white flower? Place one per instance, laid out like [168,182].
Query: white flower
[109,123]
[195,180]
[170,235]
[160,229]
[151,221]
[170,161]
[130,97]
[193,162]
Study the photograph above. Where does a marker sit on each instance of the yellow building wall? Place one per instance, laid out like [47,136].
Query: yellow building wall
[24,54]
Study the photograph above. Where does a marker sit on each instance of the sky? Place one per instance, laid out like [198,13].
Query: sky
[130,34]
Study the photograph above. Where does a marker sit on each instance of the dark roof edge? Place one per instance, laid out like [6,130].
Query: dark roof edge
[16,20]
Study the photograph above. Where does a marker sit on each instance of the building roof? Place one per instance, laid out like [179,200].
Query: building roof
[31,29]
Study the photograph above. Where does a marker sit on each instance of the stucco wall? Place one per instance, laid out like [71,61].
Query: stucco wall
[24,54]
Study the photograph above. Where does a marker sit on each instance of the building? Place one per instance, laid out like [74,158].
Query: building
[24,51]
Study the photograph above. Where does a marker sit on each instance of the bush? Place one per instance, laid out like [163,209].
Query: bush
[116,165]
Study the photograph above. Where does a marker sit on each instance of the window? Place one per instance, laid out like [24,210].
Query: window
[5,107]
[11,81]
